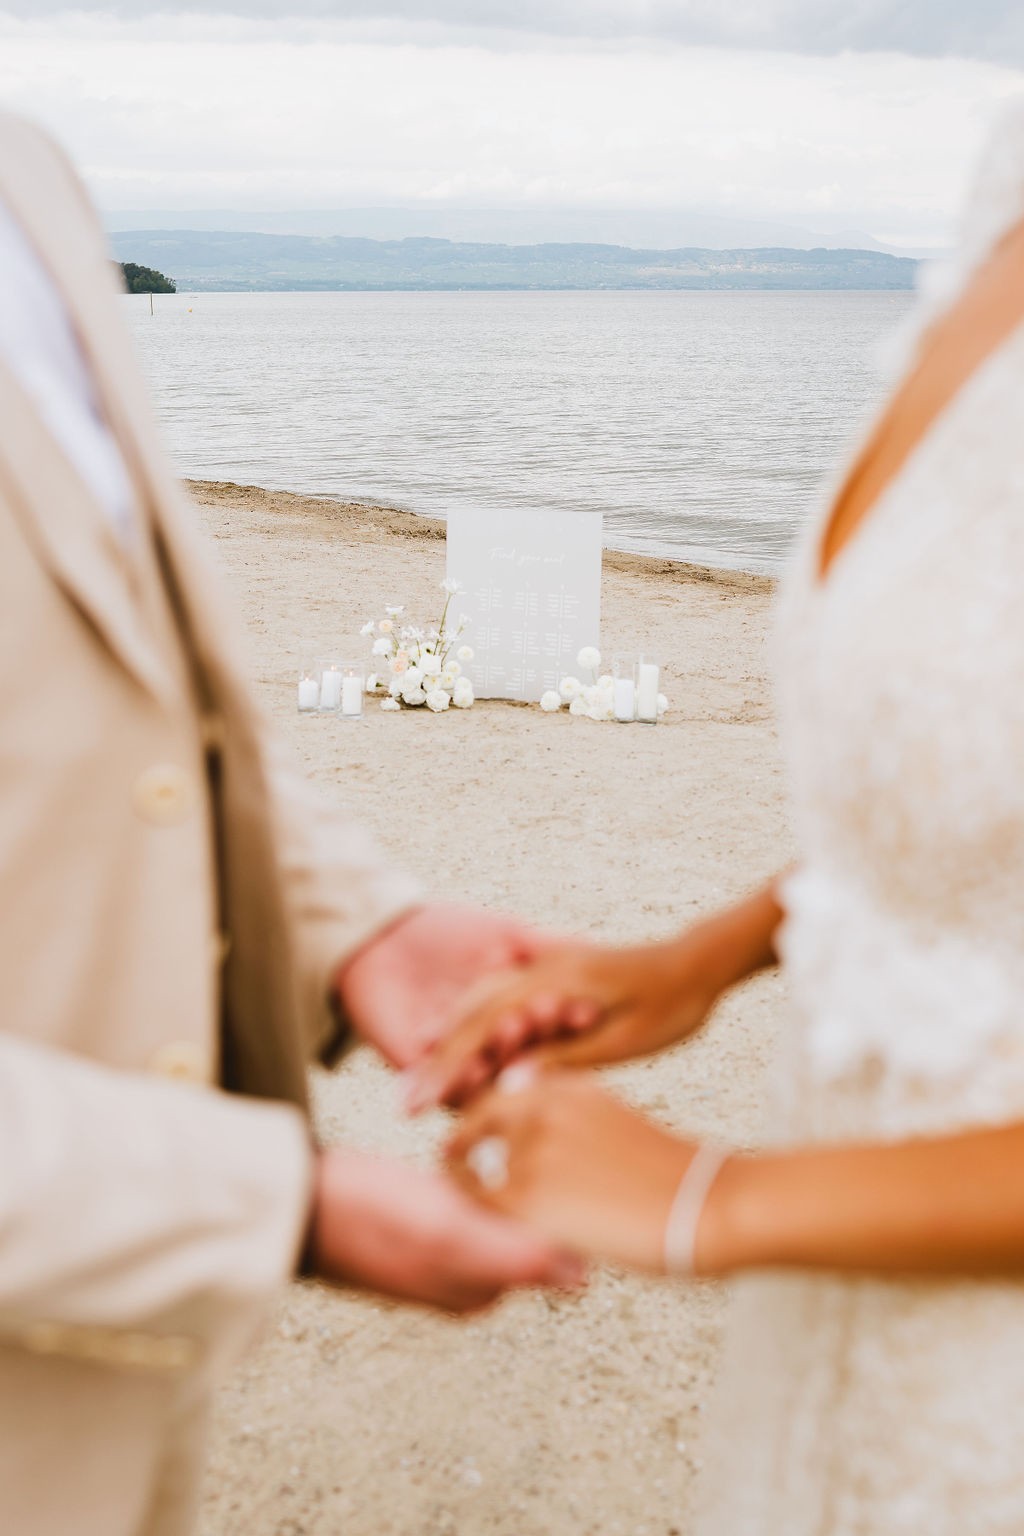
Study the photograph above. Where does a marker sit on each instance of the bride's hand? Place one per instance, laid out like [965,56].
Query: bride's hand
[574,1005]
[574,1163]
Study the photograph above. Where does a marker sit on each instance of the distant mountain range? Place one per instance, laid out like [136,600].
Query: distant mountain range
[640,229]
[212,260]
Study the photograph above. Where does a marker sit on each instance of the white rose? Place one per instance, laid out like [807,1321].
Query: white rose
[382,647]
[570,688]
[438,700]
[431,666]
[551,700]
[589,658]
[368,628]
[662,704]
[386,626]
[465,653]
[578,705]
[464,695]
[414,697]
[390,704]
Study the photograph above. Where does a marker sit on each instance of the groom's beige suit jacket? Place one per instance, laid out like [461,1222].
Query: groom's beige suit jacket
[167,928]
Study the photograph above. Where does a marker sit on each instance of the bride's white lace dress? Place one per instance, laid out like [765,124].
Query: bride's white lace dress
[857,1407]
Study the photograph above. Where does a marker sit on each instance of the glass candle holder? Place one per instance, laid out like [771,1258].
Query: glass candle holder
[353,687]
[648,676]
[309,689]
[624,675]
[330,674]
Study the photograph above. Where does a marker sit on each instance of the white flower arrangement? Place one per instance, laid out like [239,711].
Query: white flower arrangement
[594,700]
[420,666]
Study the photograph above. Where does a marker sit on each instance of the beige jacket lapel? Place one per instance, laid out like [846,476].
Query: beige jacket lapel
[61,518]
[72,536]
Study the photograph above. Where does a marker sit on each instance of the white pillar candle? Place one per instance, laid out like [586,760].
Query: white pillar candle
[330,688]
[647,691]
[625,699]
[309,693]
[352,695]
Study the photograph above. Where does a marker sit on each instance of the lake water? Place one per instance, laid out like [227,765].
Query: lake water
[699,424]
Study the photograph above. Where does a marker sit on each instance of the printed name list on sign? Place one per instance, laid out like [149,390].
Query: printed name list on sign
[531,587]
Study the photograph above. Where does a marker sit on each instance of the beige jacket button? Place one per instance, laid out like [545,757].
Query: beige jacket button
[220,948]
[164,795]
[180,1059]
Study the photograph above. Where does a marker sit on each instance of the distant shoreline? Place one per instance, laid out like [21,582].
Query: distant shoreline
[184,287]
[236,261]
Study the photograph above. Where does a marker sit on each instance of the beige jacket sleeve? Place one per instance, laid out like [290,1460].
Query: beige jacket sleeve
[340,888]
[143,1223]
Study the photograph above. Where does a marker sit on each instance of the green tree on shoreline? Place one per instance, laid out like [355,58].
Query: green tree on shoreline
[145,279]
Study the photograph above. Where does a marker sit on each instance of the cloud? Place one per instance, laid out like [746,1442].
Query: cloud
[209,113]
[983,29]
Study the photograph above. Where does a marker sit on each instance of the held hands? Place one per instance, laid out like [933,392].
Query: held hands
[571,1005]
[413,1236]
[402,990]
[583,1171]
[577,1165]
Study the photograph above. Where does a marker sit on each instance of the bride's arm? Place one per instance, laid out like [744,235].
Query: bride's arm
[594,1175]
[582,1005]
[946,1205]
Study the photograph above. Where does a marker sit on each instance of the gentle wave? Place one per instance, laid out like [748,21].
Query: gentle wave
[700,424]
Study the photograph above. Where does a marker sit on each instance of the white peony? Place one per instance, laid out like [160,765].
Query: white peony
[431,666]
[465,653]
[591,697]
[413,697]
[412,677]
[390,704]
[382,647]
[589,658]
[451,674]
[398,685]
[578,706]
[602,711]
[551,700]
[368,628]
[438,700]
[570,688]
[662,704]
[464,695]
[606,682]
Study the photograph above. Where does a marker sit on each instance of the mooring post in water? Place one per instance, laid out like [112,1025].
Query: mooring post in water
[151,303]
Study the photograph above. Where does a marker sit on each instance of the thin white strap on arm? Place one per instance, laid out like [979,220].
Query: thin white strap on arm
[684,1217]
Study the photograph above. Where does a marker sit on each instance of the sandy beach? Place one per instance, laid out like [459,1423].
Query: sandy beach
[546,1417]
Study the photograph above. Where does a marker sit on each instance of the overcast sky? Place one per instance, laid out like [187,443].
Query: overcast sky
[859,115]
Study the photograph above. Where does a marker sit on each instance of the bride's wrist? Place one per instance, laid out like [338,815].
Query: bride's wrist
[698,962]
[743,1222]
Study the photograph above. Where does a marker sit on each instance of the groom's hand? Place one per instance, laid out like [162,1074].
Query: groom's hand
[385,1227]
[401,991]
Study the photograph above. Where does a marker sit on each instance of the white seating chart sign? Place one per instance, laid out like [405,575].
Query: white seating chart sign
[532,590]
